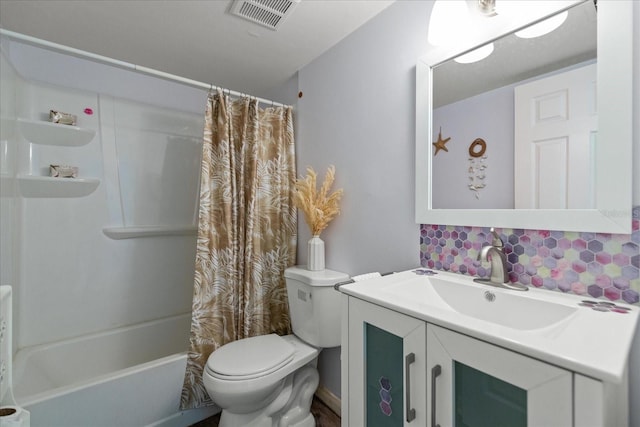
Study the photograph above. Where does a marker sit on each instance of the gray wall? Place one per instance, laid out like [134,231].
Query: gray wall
[357,112]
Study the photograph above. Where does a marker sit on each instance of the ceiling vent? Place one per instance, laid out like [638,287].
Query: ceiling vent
[269,13]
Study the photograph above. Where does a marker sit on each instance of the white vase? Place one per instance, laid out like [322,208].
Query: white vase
[315,254]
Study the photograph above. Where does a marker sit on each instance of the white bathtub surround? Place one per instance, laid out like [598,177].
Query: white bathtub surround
[56,47]
[83,359]
[246,233]
[141,165]
[95,324]
[128,376]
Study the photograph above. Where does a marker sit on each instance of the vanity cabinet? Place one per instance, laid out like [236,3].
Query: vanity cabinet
[398,370]
[387,363]
[473,383]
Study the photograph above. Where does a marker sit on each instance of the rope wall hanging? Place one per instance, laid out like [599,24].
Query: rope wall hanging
[477,148]
[477,165]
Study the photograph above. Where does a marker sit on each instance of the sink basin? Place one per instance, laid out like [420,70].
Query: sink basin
[504,307]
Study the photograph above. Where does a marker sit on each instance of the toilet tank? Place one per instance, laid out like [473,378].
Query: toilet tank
[314,305]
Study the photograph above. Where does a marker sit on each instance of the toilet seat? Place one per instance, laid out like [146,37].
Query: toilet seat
[250,358]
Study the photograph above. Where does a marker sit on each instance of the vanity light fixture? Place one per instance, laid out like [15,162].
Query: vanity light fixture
[448,21]
[475,55]
[453,21]
[487,7]
[543,27]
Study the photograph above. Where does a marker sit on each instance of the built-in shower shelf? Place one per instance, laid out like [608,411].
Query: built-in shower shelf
[118,233]
[41,132]
[44,186]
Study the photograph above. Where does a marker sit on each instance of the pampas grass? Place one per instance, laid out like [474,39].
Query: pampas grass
[319,207]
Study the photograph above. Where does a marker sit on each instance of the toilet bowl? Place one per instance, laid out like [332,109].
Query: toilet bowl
[270,380]
[248,392]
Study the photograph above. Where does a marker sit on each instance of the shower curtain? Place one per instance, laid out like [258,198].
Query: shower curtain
[247,231]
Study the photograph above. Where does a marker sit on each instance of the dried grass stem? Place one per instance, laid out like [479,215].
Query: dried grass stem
[319,207]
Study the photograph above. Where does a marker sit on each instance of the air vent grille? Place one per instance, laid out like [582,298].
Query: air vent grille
[269,13]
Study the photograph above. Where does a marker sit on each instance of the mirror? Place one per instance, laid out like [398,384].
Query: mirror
[462,93]
[609,209]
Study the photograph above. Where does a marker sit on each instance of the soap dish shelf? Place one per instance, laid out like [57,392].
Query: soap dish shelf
[41,132]
[131,232]
[44,186]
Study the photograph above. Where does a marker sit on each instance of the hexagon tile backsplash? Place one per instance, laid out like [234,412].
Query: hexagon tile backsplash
[591,264]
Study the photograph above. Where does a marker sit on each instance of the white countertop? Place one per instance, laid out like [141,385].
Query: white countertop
[574,337]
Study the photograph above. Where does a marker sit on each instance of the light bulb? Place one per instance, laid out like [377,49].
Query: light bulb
[450,21]
[543,27]
[475,55]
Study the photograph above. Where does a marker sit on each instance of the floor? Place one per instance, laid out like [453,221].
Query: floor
[324,416]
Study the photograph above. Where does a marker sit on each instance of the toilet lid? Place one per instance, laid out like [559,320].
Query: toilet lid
[250,357]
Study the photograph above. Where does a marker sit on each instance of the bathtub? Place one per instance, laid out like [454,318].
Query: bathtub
[128,377]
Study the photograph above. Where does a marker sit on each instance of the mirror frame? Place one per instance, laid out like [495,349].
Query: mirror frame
[613,183]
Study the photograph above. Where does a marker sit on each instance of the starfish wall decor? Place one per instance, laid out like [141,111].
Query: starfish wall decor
[440,143]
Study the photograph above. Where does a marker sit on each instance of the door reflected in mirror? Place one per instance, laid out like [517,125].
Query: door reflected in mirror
[523,102]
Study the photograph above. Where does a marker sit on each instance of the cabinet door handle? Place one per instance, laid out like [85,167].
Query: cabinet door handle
[410,412]
[435,372]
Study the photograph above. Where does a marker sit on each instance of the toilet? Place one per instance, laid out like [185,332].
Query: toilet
[270,380]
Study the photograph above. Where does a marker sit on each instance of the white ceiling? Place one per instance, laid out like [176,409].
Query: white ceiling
[194,39]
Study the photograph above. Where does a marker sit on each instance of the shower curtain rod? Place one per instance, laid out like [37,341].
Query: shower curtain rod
[127,65]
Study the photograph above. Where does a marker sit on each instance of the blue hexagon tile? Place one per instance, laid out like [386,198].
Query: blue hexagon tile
[597,265]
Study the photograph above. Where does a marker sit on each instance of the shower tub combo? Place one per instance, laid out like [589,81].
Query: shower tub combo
[130,376]
[101,266]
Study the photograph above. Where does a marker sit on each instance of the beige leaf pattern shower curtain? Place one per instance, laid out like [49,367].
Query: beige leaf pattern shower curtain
[246,231]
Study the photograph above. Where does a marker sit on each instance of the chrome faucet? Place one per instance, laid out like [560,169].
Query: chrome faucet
[494,253]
